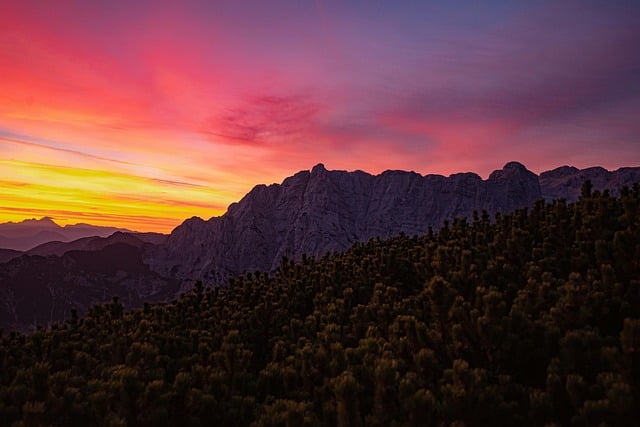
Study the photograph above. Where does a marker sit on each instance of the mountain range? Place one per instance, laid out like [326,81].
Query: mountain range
[27,234]
[37,290]
[311,213]
[319,211]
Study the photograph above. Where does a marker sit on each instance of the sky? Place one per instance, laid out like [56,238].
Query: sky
[141,114]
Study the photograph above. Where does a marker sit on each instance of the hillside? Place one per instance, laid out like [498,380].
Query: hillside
[37,290]
[528,320]
[95,243]
[8,255]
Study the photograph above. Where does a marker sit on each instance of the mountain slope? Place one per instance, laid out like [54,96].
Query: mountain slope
[565,182]
[36,290]
[8,255]
[529,320]
[95,243]
[321,211]
[313,213]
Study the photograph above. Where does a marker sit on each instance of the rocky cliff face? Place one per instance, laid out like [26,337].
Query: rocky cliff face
[320,211]
[566,182]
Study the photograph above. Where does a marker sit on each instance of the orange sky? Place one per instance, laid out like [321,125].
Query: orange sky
[142,115]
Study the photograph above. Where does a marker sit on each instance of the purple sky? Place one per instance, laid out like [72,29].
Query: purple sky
[228,95]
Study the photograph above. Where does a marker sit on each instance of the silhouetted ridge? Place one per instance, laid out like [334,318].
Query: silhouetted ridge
[319,211]
[30,233]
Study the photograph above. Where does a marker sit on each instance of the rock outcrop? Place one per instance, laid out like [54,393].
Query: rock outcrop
[566,182]
[320,211]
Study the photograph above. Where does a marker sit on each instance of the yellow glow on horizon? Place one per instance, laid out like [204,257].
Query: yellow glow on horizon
[71,195]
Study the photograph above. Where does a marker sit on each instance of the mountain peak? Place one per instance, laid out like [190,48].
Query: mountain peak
[510,170]
[43,220]
[514,166]
[560,171]
[318,169]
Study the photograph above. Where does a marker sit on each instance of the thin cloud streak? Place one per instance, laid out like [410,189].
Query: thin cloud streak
[61,150]
[66,217]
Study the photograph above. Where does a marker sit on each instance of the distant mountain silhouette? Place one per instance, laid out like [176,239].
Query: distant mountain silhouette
[9,254]
[566,182]
[320,211]
[30,233]
[94,243]
[36,290]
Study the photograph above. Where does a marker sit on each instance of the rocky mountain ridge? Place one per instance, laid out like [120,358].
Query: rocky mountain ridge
[313,213]
[320,211]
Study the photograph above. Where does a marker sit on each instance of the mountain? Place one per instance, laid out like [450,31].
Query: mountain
[529,320]
[566,182]
[319,211]
[311,213]
[30,233]
[94,243]
[8,255]
[36,290]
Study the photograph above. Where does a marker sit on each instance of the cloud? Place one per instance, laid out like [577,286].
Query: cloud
[105,193]
[25,140]
[264,119]
[61,216]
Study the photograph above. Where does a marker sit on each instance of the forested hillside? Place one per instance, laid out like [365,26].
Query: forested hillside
[530,318]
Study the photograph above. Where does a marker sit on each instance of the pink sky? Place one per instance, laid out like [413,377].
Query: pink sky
[143,115]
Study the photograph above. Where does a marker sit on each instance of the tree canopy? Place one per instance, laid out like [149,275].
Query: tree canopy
[529,318]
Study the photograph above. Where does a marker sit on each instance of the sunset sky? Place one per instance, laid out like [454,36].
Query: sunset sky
[143,113]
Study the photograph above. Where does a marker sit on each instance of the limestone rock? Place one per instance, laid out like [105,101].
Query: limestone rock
[320,211]
[566,182]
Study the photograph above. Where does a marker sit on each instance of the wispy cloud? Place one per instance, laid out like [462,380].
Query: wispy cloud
[111,194]
[135,222]
[24,140]
[264,119]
